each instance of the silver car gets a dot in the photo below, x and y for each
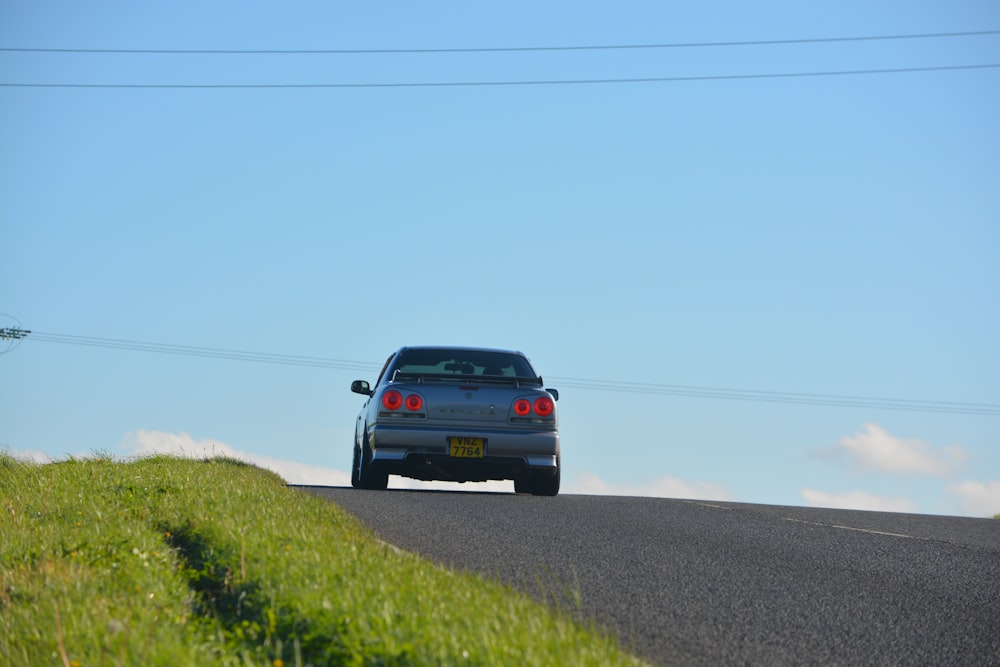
(459, 414)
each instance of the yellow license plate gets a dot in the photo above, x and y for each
(467, 448)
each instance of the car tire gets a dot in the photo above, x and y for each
(539, 485)
(356, 468)
(368, 476)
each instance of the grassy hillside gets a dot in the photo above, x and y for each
(166, 561)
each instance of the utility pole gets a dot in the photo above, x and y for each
(13, 333)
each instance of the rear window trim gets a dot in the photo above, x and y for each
(421, 378)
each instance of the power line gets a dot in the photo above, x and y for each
(13, 333)
(207, 352)
(460, 84)
(797, 398)
(685, 391)
(509, 49)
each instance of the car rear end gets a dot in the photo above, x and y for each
(463, 431)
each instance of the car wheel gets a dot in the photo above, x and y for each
(368, 476)
(356, 468)
(539, 485)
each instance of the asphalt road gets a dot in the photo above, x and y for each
(700, 583)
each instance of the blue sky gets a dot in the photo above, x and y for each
(833, 235)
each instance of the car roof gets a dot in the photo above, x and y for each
(461, 348)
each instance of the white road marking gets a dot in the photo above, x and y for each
(860, 530)
(817, 523)
(718, 507)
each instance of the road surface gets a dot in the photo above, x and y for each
(717, 583)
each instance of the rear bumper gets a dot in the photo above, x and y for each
(423, 452)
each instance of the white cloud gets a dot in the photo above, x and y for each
(588, 483)
(857, 500)
(978, 498)
(145, 443)
(31, 455)
(878, 450)
(181, 444)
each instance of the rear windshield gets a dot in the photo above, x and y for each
(463, 362)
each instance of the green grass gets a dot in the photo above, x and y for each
(168, 561)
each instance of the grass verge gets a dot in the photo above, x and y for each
(168, 561)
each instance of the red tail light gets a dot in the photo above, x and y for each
(522, 406)
(544, 406)
(414, 402)
(392, 400)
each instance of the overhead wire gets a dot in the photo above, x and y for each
(207, 352)
(10, 343)
(798, 398)
(579, 383)
(514, 49)
(685, 391)
(541, 82)
(545, 82)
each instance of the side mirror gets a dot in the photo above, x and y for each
(361, 387)
(554, 392)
